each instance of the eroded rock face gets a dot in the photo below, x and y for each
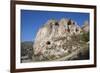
(55, 39)
(86, 27)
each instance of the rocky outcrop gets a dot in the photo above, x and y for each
(86, 27)
(57, 39)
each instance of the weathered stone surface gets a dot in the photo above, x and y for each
(57, 39)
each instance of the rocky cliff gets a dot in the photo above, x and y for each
(60, 40)
(86, 27)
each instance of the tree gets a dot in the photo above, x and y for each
(85, 36)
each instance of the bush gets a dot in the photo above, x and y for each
(85, 37)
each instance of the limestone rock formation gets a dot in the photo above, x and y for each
(85, 26)
(57, 39)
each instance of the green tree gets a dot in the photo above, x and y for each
(85, 37)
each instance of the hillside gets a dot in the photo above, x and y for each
(61, 40)
(26, 50)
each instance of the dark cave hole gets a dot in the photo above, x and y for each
(56, 24)
(48, 43)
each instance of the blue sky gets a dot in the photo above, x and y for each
(32, 20)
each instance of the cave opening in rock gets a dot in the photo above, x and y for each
(48, 42)
(69, 22)
(73, 23)
(76, 30)
(56, 24)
